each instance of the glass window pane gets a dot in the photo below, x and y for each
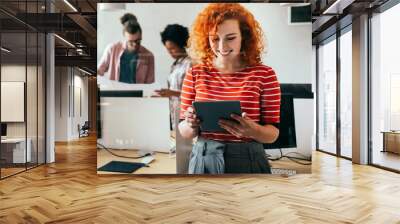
(32, 96)
(346, 94)
(13, 86)
(327, 97)
(22, 63)
(386, 89)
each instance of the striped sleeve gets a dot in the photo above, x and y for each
(270, 99)
(187, 93)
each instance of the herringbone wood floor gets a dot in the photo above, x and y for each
(69, 191)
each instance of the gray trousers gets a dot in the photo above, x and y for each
(215, 157)
(207, 157)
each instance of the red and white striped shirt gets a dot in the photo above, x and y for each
(257, 88)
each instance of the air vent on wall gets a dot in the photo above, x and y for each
(300, 15)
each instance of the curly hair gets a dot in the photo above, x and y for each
(175, 33)
(214, 14)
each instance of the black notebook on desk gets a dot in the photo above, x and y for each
(121, 167)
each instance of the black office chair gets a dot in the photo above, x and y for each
(84, 130)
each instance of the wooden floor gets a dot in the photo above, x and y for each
(387, 159)
(10, 171)
(69, 191)
(5, 172)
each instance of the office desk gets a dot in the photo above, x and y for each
(391, 141)
(163, 163)
(287, 164)
(13, 150)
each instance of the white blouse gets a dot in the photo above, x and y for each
(175, 81)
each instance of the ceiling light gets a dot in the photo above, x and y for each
(70, 5)
(333, 6)
(111, 6)
(5, 50)
(294, 4)
(80, 51)
(64, 40)
(337, 7)
(84, 71)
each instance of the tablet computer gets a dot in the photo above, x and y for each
(210, 113)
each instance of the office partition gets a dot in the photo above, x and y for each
(23, 89)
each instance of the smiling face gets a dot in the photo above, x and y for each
(226, 41)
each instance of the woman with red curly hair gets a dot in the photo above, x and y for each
(227, 43)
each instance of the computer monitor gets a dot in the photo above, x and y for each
(3, 129)
(135, 123)
(298, 90)
(112, 93)
(121, 93)
(287, 129)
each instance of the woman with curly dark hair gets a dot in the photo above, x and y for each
(175, 38)
(128, 61)
(227, 42)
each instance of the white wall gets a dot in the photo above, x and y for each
(61, 103)
(80, 84)
(69, 82)
(16, 73)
